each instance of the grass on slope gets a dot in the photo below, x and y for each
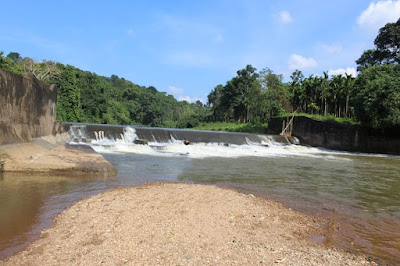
(326, 118)
(233, 127)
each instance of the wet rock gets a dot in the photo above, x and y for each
(141, 141)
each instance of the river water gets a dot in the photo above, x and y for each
(359, 193)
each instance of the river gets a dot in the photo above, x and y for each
(359, 193)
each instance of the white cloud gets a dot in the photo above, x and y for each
(300, 62)
(378, 14)
(175, 90)
(332, 49)
(130, 32)
(178, 95)
(190, 99)
(341, 71)
(285, 17)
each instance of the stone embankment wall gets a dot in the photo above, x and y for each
(27, 108)
(340, 136)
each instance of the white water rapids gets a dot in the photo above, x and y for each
(175, 147)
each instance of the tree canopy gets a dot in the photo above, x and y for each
(387, 49)
(377, 101)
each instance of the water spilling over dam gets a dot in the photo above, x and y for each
(167, 141)
(83, 132)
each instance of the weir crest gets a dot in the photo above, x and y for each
(91, 133)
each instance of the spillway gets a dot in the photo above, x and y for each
(91, 132)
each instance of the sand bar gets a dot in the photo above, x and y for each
(181, 224)
(50, 154)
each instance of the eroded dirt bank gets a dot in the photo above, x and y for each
(171, 224)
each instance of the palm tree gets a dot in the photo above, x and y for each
(337, 86)
(348, 86)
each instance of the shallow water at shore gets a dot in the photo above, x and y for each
(360, 193)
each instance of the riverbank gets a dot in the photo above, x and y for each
(172, 223)
(50, 154)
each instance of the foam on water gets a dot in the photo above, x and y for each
(267, 147)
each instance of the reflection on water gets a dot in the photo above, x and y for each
(362, 192)
(21, 197)
(29, 202)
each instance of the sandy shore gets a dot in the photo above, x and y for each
(181, 224)
(49, 154)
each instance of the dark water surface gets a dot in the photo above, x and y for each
(360, 193)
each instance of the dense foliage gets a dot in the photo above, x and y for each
(86, 97)
(372, 97)
(235, 100)
(268, 96)
(377, 100)
(251, 97)
(8, 64)
(387, 49)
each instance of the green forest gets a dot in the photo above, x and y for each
(86, 97)
(251, 97)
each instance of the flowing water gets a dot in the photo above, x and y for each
(360, 193)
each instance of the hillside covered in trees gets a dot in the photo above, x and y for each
(372, 98)
(86, 97)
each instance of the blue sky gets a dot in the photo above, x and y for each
(186, 48)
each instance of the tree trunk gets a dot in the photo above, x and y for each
(335, 111)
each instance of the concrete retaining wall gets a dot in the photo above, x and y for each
(340, 136)
(27, 108)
